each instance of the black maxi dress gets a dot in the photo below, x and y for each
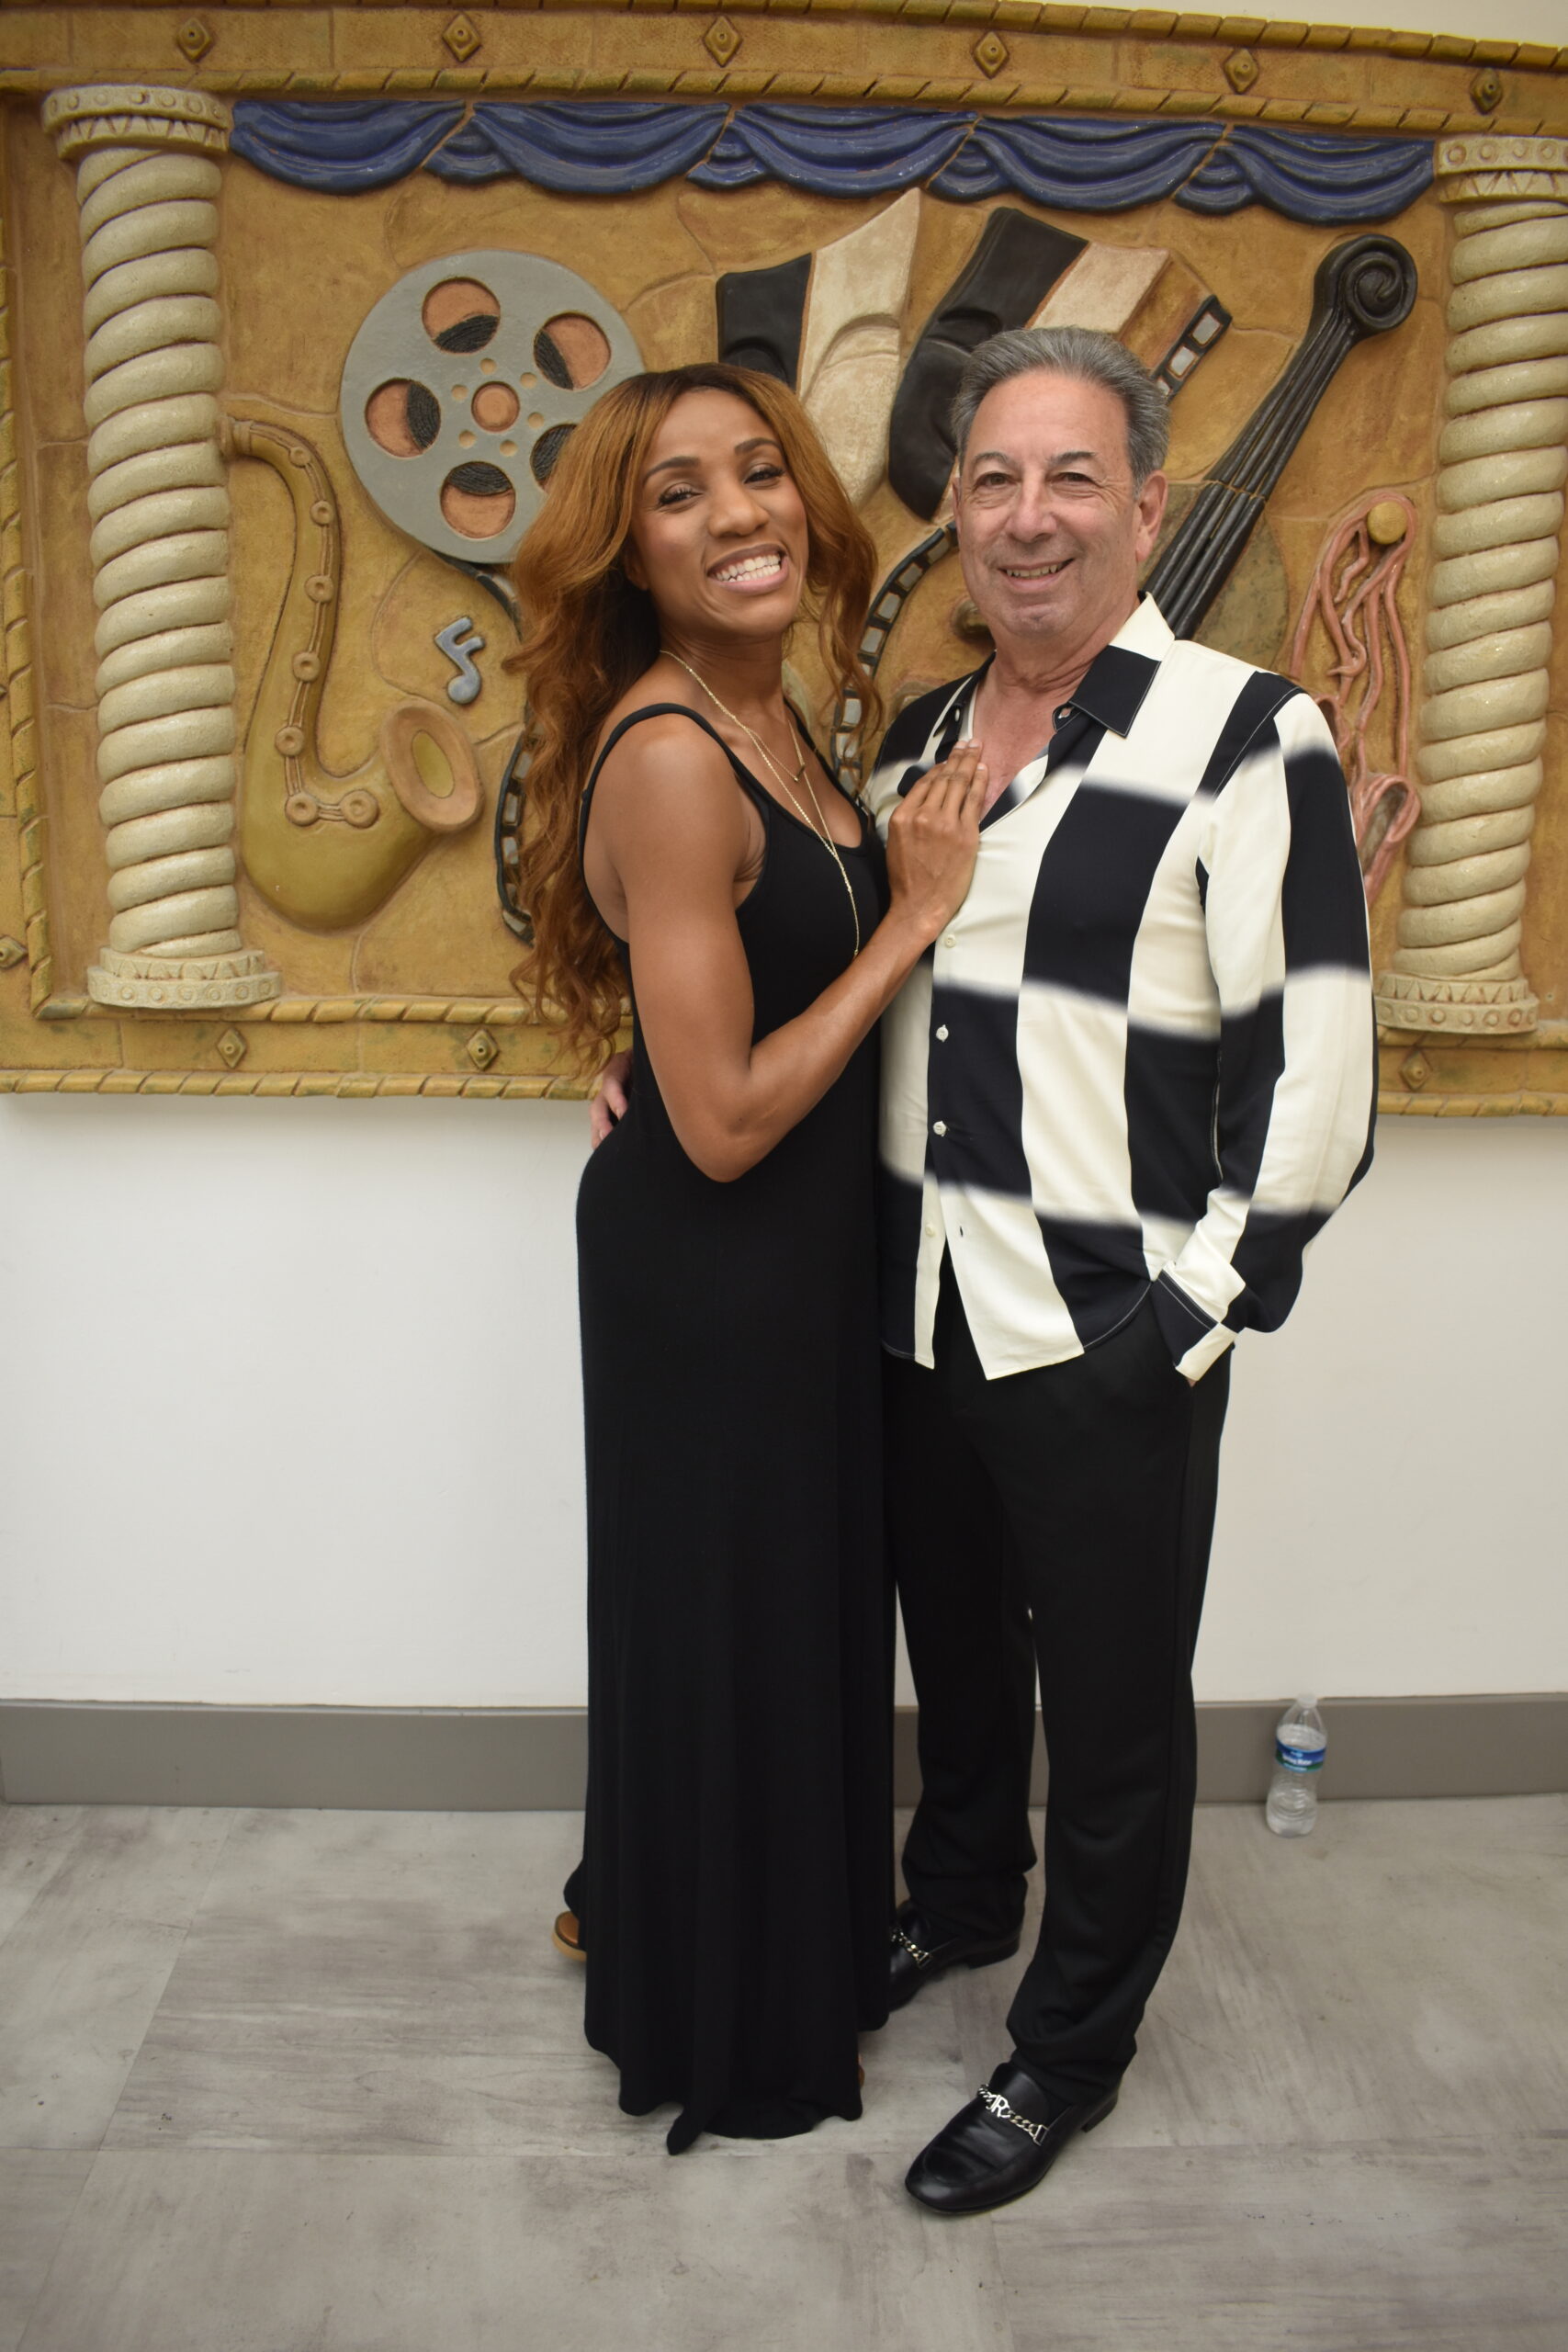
(736, 1889)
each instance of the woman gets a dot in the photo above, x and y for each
(688, 843)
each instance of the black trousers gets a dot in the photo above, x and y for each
(1056, 1520)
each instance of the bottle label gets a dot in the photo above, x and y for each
(1298, 1759)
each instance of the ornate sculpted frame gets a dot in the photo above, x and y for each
(1464, 1031)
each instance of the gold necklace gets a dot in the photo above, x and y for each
(821, 826)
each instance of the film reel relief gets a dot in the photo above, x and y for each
(462, 387)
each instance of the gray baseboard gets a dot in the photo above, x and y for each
(532, 1759)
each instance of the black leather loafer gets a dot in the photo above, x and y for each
(920, 1954)
(1002, 2145)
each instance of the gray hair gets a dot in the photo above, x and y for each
(1080, 352)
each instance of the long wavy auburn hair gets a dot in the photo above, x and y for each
(588, 633)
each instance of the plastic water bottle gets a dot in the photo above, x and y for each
(1299, 1744)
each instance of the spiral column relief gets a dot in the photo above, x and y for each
(1504, 461)
(147, 189)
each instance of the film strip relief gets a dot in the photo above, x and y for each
(1197, 339)
(508, 838)
(890, 600)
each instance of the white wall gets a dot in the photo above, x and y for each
(290, 1403)
(289, 1399)
(1392, 1500)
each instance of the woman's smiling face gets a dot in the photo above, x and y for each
(718, 535)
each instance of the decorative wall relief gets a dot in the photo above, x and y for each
(287, 352)
(460, 641)
(1504, 457)
(1004, 283)
(460, 390)
(148, 190)
(829, 324)
(1354, 599)
(328, 850)
(851, 355)
(1364, 288)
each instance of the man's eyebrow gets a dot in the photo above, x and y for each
(1058, 458)
(743, 450)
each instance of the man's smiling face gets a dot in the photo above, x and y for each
(1051, 533)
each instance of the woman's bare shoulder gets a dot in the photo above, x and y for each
(667, 782)
(670, 750)
(650, 692)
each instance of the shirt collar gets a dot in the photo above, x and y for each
(1112, 688)
(1111, 692)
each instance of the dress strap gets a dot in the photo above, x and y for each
(662, 710)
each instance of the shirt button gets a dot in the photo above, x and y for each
(930, 1232)
(950, 940)
(940, 1128)
(941, 1034)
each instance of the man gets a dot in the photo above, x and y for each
(1128, 1085)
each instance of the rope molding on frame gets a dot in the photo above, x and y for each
(461, 1010)
(1037, 15)
(16, 632)
(1470, 1106)
(353, 1085)
(1024, 97)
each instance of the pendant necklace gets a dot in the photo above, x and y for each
(819, 828)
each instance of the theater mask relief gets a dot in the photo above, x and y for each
(284, 373)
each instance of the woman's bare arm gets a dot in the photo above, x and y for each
(672, 829)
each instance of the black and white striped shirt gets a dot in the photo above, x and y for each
(1143, 1051)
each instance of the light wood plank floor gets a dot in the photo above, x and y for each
(314, 2081)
